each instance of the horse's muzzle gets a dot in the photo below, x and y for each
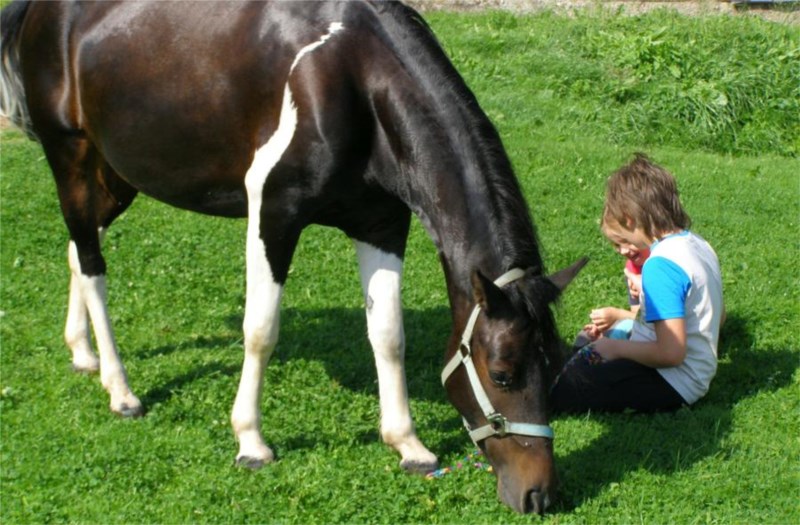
(527, 483)
(534, 500)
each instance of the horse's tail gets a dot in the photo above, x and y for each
(13, 104)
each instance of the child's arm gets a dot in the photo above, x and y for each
(667, 351)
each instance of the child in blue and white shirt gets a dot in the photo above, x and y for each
(671, 355)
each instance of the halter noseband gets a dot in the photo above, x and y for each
(497, 424)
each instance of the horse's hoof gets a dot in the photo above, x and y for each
(414, 466)
(85, 369)
(253, 453)
(249, 462)
(127, 411)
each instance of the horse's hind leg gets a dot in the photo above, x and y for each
(91, 196)
(114, 198)
(76, 330)
(380, 278)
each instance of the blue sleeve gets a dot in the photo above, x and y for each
(666, 286)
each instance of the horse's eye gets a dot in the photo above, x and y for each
(501, 378)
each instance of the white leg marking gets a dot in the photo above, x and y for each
(92, 293)
(381, 275)
(261, 322)
(76, 331)
(262, 308)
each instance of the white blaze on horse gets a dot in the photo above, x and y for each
(346, 114)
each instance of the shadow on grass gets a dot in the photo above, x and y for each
(337, 338)
(660, 443)
(164, 392)
(673, 442)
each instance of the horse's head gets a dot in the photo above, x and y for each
(498, 380)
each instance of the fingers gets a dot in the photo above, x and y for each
(601, 318)
(592, 332)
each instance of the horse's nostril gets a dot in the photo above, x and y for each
(500, 378)
(536, 502)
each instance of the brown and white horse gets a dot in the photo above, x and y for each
(345, 114)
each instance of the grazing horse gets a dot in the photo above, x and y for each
(346, 114)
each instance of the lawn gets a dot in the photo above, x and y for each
(713, 99)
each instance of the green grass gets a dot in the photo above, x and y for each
(722, 84)
(176, 295)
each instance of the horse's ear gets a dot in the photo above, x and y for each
(563, 277)
(486, 294)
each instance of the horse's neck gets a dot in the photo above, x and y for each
(464, 192)
(465, 224)
(455, 174)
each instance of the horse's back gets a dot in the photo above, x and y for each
(177, 90)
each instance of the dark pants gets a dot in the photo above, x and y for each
(612, 386)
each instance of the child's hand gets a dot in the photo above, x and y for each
(634, 282)
(592, 332)
(604, 318)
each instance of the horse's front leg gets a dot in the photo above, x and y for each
(381, 275)
(261, 326)
(266, 230)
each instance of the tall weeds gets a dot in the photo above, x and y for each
(724, 84)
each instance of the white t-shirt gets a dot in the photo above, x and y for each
(681, 278)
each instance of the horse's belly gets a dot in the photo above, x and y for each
(221, 202)
(205, 197)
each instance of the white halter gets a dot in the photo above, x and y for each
(497, 424)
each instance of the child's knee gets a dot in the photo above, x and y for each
(620, 330)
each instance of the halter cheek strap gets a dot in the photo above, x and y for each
(496, 423)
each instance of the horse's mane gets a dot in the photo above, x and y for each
(513, 231)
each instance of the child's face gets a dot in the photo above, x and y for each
(631, 244)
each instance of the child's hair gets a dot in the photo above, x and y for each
(645, 195)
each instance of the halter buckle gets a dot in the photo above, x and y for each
(499, 423)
